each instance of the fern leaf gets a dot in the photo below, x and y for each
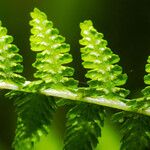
(146, 90)
(83, 127)
(9, 59)
(53, 53)
(135, 129)
(106, 76)
(35, 113)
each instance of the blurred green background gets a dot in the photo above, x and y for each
(126, 26)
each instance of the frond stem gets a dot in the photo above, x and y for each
(118, 104)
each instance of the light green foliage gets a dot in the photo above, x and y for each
(9, 59)
(53, 57)
(35, 113)
(103, 71)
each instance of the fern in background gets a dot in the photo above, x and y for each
(135, 130)
(9, 60)
(83, 127)
(35, 101)
(34, 115)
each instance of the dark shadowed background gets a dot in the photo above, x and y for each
(124, 23)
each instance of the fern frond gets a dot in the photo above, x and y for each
(135, 130)
(9, 60)
(83, 127)
(53, 53)
(146, 90)
(35, 113)
(106, 76)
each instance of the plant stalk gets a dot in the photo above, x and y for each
(74, 96)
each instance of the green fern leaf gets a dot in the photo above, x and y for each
(35, 113)
(135, 129)
(106, 76)
(9, 60)
(83, 127)
(146, 90)
(53, 53)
